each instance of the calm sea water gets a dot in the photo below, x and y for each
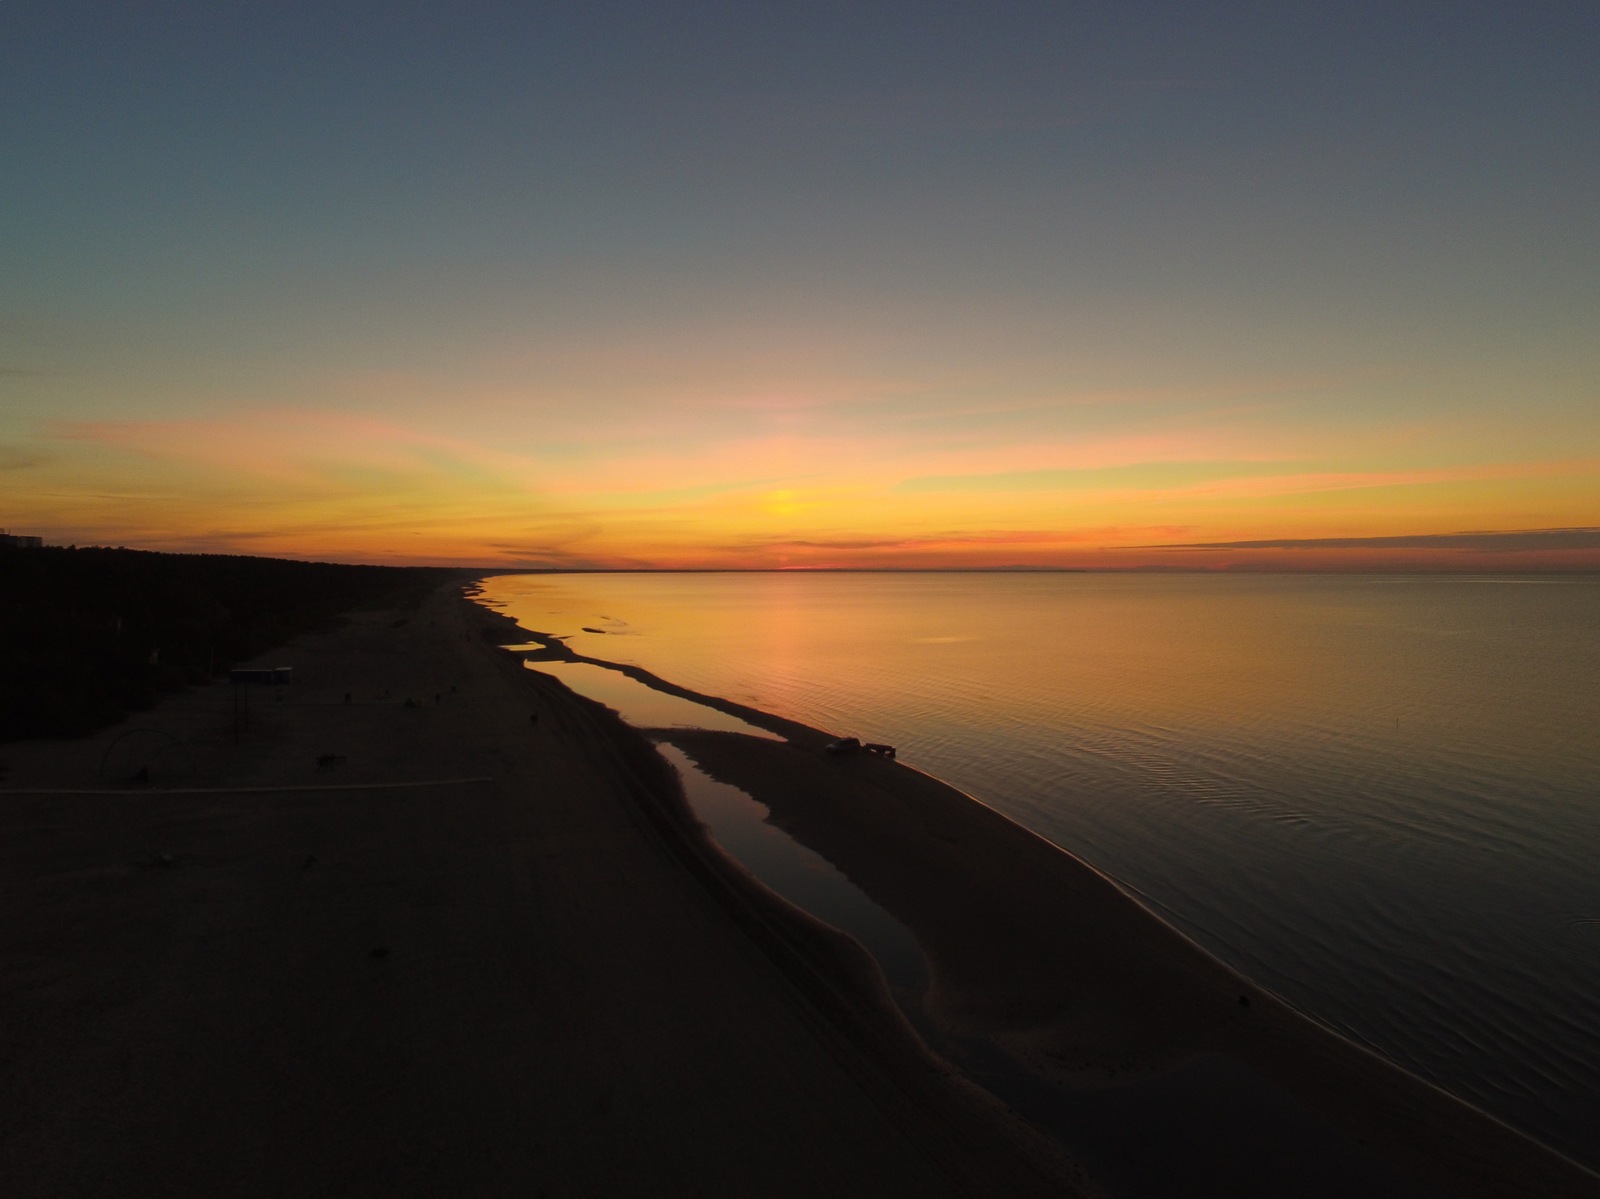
(1378, 796)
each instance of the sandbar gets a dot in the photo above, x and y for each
(425, 924)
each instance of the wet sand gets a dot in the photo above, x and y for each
(1165, 1071)
(1156, 1065)
(470, 944)
(478, 944)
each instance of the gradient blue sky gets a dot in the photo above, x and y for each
(762, 284)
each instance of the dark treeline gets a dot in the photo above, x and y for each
(88, 635)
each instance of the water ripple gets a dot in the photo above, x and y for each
(1375, 796)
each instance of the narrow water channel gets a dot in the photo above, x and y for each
(1105, 1128)
(739, 826)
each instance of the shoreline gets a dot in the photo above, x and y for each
(1098, 1037)
(1334, 1107)
(235, 980)
(247, 977)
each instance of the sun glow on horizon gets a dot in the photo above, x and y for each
(363, 488)
(966, 300)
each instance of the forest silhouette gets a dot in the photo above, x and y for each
(88, 635)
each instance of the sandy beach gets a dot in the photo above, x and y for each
(1169, 1063)
(450, 936)
(1160, 1068)
(426, 922)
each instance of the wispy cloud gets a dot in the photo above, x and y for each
(1150, 474)
(12, 458)
(1104, 535)
(304, 447)
(1501, 541)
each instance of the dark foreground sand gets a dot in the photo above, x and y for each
(480, 955)
(1163, 1071)
(490, 952)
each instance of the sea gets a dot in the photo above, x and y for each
(1375, 795)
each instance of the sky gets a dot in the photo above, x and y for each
(759, 285)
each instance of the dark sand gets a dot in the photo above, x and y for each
(1161, 1069)
(1182, 1077)
(480, 955)
(490, 951)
